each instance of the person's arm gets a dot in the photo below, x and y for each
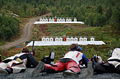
(84, 57)
(84, 60)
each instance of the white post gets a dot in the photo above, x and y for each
(92, 39)
(75, 39)
(51, 39)
(67, 39)
(85, 39)
(52, 20)
(62, 19)
(56, 39)
(71, 39)
(47, 38)
(81, 39)
(61, 39)
(75, 20)
(43, 39)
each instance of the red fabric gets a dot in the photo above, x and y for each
(55, 19)
(77, 55)
(64, 38)
(60, 66)
(72, 65)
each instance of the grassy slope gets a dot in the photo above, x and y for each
(100, 33)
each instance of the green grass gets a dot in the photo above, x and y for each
(89, 51)
(100, 33)
(45, 50)
(2, 43)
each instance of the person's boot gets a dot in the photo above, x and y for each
(49, 59)
(118, 69)
(52, 57)
(38, 69)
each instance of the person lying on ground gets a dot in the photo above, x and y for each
(112, 65)
(70, 63)
(96, 59)
(18, 63)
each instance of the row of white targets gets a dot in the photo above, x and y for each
(57, 20)
(67, 39)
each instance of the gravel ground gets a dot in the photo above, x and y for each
(86, 73)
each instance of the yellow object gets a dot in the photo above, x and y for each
(19, 60)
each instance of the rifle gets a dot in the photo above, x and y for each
(33, 49)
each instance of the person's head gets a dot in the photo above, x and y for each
(75, 47)
(79, 48)
(25, 50)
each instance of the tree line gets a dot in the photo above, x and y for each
(23, 8)
(92, 12)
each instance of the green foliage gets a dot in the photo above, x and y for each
(92, 12)
(9, 26)
(115, 19)
(23, 8)
(99, 9)
(1, 53)
(108, 15)
(95, 19)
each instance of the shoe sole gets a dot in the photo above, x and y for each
(68, 74)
